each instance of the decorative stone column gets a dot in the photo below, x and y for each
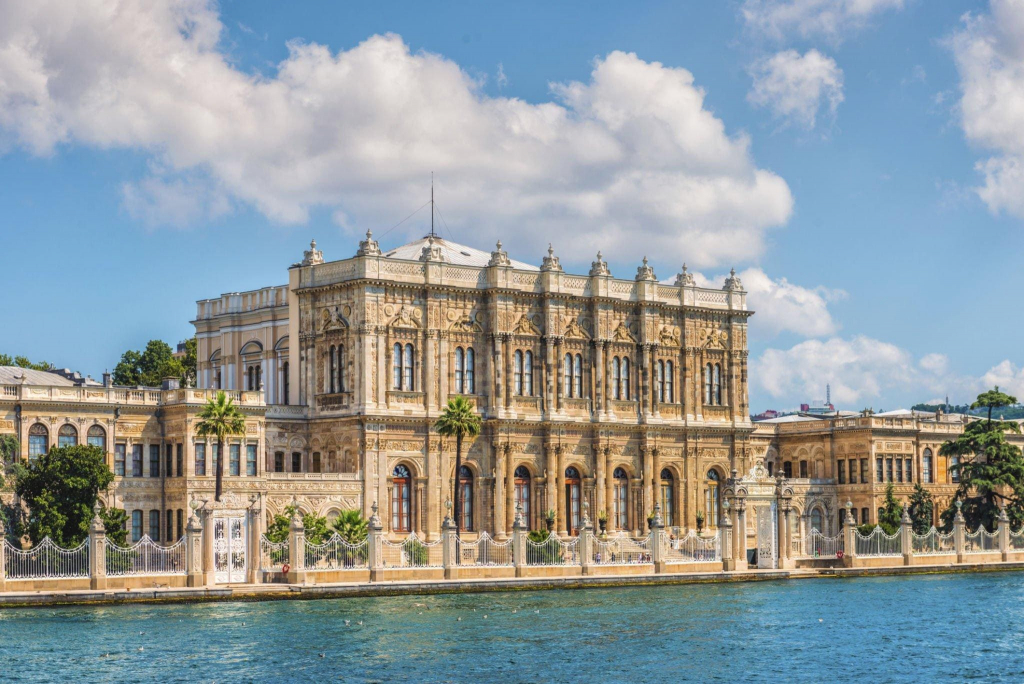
(449, 550)
(375, 546)
(97, 550)
(725, 542)
(254, 554)
(296, 549)
(561, 524)
(647, 459)
(1003, 530)
(958, 532)
(586, 542)
(907, 537)
(194, 565)
(207, 557)
(657, 541)
(519, 542)
(741, 533)
(849, 536)
(785, 538)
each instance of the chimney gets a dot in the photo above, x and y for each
(107, 380)
(170, 384)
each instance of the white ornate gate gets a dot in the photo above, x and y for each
(766, 536)
(229, 562)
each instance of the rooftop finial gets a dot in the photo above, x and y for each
(499, 257)
(550, 262)
(599, 267)
(645, 272)
(312, 256)
(733, 282)
(685, 278)
(369, 246)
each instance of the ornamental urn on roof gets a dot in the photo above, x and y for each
(685, 278)
(550, 262)
(499, 257)
(599, 267)
(312, 256)
(369, 246)
(645, 272)
(732, 282)
(431, 251)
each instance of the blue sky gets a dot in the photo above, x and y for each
(859, 163)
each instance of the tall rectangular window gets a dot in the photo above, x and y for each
(787, 469)
(842, 472)
(853, 471)
(888, 469)
(899, 470)
(864, 470)
(180, 460)
(154, 460)
(803, 469)
(169, 534)
(296, 462)
(136, 525)
(250, 460)
(278, 461)
(119, 454)
(908, 469)
(879, 474)
(235, 454)
(200, 459)
(181, 522)
(215, 449)
(137, 461)
(154, 525)
(169, 460)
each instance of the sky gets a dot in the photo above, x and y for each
(860, 163)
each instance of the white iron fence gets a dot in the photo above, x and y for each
(273, 555)
(1017, 540)
(412, 553)
(622, 551)
(552, 551)
(336, 553)
(146, 557)
(692, 549)
(981, 541)
(933, 543)
(817, 545)
(46, 560)
(485, 551)
(878, 543)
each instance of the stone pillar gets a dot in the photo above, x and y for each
(374, 546)
(510, 491)
(907, 537)
(741, 533)
(785, 537)
(550, 482)
(253, 573)
(609, 487)
(725, 542)
(849, 536)
(296, 550)
(449, 549)
(97, 551)
(647, 454)
(657, 541)
(561, 524)
(1003, 530)
(519, 542)
(586, 542)
(206, 556)
(958, 533)
(194, 565)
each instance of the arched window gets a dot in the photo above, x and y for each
(707, 384)
(528, 375)
(408, 383)
(620, 499)
(460, 369)
(718, 385)
(567, 387)
(67, 436)
(625, 379)
(667, 496)
(573, 502)
(926, 466)
(401, 499)
(816, 520)
(577, 377)
(97, 437)
(332, 370)
(396, 364)
(522, 483)
(711, 499)
(38, 440)
(660, 382)
(670, 372)
(466, 498)
(616, 384)
(316, 462)
(470, 362)
(517, 373)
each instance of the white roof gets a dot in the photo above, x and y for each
(795, 418)
(15, 375)
(454, 253)
(903, 412)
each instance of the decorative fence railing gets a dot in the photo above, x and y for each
(981, 541)
(621, 551)
(692, 549)
(145, 557)
(485, 551)
(336, 554)
(817, 545)
(552, 551)
(1017, 540)
(932, 543)
(412, 553)
(46, 560)
(878, 543)
(273, 555)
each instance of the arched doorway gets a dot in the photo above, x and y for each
(466, 498)
(620, 499)
(522, 494)
(401, 499)
(573, 501)
(668, 498)
(711, 499)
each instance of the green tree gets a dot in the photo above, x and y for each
(220, 418)
(188, 363)
(990, 469)
(24, 362)
(10, 450)
(316, 527)
(892, 512)
(921, 509)
(60, 489)
(115, 523)
(351, 526)
(148, 367)
(458, 420)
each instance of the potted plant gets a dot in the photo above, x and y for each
(602, 521)
(700, 521)
(549, 519)
(650, 520)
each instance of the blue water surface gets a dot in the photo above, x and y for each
(900, 629)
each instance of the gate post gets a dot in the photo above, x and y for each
(958, 532)
(849, 536)
(1003, 530)
(253, 554)
(906, 537)
(519, 542)
(586, 541)
(657, 541)
(3, 556)
(725, 530)
(374, 547)
(207, 556)
(296, 549)
(194, 562)
(449, 554)
(741, 532)
(97, 550)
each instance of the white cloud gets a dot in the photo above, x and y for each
(501, 78)
(794, 86)
(1007, 376)
(989, 54)
(631, 158)
(176, 201)
(829, 19)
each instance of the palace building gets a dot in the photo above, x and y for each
(597, 395)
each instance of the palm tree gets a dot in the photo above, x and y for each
(220, 418)
(351, 526)
(458, 420)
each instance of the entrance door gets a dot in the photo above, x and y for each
(229, 550)
(572, 499)
(766, 532)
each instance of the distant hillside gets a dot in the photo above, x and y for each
(1008, 413)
